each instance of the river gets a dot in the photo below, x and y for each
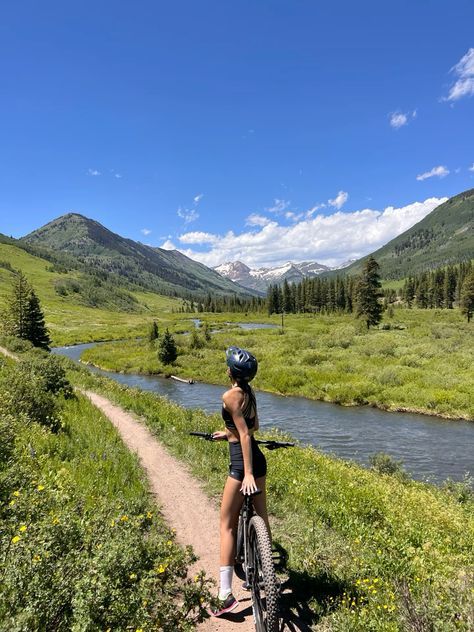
(431, 448)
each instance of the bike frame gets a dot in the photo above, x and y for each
(247, 511)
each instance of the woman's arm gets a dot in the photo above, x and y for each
(233, 403)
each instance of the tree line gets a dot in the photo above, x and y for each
(441, 288)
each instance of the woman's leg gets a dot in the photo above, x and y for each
(232, 500)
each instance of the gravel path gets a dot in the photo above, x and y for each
(183, 504)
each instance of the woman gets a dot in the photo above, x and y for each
(247, 468)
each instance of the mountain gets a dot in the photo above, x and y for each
(445, 236)
(261, 278)
(162, 271)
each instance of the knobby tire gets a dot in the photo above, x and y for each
(264, 585)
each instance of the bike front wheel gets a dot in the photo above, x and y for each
(263, 582)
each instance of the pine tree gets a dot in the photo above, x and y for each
(467, 296)
(15, 316)
(368, 294)
(154, 333)
(167, 353)
(36, 331)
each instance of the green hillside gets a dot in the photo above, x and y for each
(445, 236)
(163, 271)
(80, 307)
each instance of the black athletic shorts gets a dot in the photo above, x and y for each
(236, 467)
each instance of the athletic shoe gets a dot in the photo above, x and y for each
(224, 605)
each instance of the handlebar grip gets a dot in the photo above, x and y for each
(204, 435)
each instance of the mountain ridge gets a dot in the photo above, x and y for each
(260, 278)
(162, 271)
(444, 237)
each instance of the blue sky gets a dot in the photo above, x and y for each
(262, 131)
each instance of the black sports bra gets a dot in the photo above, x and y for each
(246, 412)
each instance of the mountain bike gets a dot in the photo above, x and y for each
(254, 553)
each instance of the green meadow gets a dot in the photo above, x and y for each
(70, 320)
(418, 360)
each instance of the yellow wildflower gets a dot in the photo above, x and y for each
(16, 493)
(169, 543)
(37, 558)
(133, 576)
(16, 539)
(112, 523)
(40, 488)
(149, 515)
(124, 518)
(161, 568)
(12, 503)
(23, 528)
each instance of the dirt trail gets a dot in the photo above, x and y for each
(7, 353)
(183, 504)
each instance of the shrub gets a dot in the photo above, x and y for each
(385, 464)
(50, 368)
(23, 394)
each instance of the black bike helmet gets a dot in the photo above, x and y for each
(242, 364)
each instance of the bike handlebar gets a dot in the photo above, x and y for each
(270, 444)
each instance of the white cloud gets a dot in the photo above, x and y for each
(198, 198)
(329, 239)
(198, 237)
(168, 245)
(145, 231)
(294, 217)
(464, 86)
(439, 172)
(189, 215)
(279, 206)
(340, 199)
(93, 172)
(257, 220)
(471, 168)
(310, 212)
(398, 119)
(118, 175)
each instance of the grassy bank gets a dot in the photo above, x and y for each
(367, 552)
(422, 362)
(82, 546)
(67, 317)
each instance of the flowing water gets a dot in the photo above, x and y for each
(430, 448)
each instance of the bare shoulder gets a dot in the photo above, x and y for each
(233, 397)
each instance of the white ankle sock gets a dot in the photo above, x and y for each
(225, 583)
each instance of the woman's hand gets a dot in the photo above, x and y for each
(248, 485)
(219, 435)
